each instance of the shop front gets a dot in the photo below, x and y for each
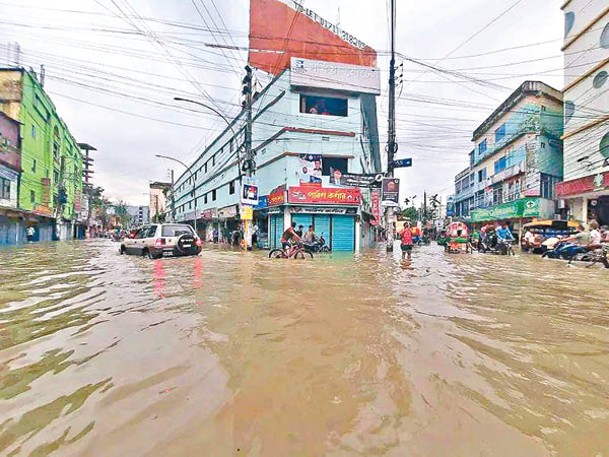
(517, 212)
(587, 198)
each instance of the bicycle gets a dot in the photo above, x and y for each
(296, 252)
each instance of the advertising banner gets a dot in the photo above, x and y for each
(376, 207)
(335, 76)
(282, 29)
(263, 202)
(391, 192)
(338, 178)
(532, 179)
(209, 214)
(310, 169)
(320, 195)
(249, 191)
(247, 213)
(277, 196)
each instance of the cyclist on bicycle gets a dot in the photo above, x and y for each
(289, 238)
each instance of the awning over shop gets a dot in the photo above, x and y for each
(522, 208)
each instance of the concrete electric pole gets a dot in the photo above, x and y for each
(392, 146)
(249, 165)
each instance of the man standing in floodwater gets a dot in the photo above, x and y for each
(406, 241)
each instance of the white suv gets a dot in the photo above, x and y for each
(157, 240)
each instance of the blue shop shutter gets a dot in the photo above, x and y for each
(343, 233)
(321, 222)
(276, 230)
(302, 219)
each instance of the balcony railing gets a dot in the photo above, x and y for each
(514, 170)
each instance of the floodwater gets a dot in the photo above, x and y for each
(230, 354)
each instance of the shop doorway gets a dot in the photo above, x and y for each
(598, 209)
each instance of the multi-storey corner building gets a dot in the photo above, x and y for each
(516, 161)
(585, 190)
(311, 124)
(51, 173)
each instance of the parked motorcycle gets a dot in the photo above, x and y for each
(576, 253)
(319, 245)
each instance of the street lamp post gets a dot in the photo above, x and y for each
(194, 184)
(247, 230)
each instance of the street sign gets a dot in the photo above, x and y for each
(402, 163)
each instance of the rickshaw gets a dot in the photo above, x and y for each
(543, 230)
(458, 239)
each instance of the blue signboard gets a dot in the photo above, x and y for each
(402, 163)
(263, 202)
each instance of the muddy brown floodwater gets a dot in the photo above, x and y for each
(231, 354)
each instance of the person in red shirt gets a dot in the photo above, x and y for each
(406, 241)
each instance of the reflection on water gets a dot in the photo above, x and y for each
(235, 354)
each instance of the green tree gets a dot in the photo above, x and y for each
(410, 213)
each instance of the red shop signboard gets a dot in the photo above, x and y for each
(277, 197)
(582, 185)
(322, 196)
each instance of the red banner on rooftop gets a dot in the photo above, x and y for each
(281, 29)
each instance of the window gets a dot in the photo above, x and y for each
(231, 187)
(500, 165)
(231, 145)
(569, 22)
(327, 106)
(5, 189)
(33, 131)
(482, 147)
(335, 163)
(472, 158)
(205, 167)
(176, 230)
(205, 199)
(213, 160)
(213, 195)
(33, 165)
(499, 133)
(32, 196)
(482, 175)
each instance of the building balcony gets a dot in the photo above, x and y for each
(464, 194)
(509, 172)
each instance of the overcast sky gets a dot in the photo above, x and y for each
(114, 85)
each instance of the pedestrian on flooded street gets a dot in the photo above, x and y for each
(406, 241)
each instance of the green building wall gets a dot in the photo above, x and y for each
(48, 151)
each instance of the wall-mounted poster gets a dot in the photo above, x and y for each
(310, 169)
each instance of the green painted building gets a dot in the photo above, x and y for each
(51, 180)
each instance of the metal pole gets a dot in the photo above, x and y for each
(391, 142)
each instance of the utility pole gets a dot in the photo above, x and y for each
(424, 218)
(87, 172)
(392, 146)
(173, 199)
(249, 163)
